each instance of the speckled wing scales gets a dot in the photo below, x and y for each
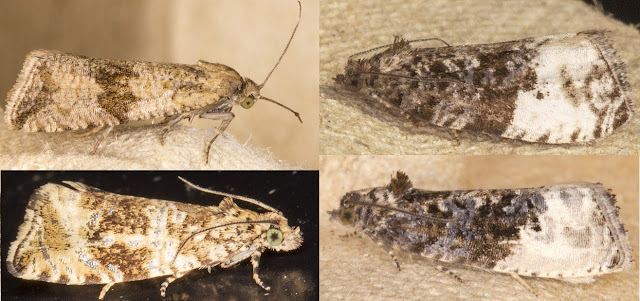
(555, 89)
(580, 89)
(83, 235)
(70, 233)
(579, 236)
(58, 91)
(88, 236)
(570, 232)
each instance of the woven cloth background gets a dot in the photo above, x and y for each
(358, 269)
(350, 126)
(131, 147)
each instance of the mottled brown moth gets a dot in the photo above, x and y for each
(558, 89)
(570, 232)
(77, 234)
(58, 91)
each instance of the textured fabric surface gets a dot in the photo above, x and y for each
(358, 269)
(131, 147)
(352, 125)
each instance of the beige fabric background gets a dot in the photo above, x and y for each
(248, 36)
(131, 147)
(358, 269)
(349, 125)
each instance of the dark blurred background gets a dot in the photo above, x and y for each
(627, 11)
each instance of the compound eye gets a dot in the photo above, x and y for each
(248, 102)
(347, 216)
(274, 237)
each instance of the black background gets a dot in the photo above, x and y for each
(627, 11)
(291, 275)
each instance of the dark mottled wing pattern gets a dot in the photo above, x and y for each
(555, 89)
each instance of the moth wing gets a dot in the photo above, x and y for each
(58, 91)
(223, 80)
(173, 89)
(28, 248)
(62, 241)
(81, 187)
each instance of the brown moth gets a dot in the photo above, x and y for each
(58, 91)
(79, 235)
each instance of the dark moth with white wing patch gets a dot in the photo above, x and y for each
(556, 89)
(569, 232)
(58, 91)
(81, 235)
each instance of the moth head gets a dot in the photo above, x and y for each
(281, 237)
(346, 214)
(250, 94)
(350, 80)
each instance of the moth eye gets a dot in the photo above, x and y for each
(248, 102)
(354, 84)
(274, 237)
(347, 216)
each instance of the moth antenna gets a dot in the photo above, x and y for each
(233, 196)
(286, 47)
(420, 79)
(387, 45)
(184, 242)
(292, 111)
(431, 218)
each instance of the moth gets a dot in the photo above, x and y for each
(77, 235)
(569, 232)
(559, 89)
(58, 91)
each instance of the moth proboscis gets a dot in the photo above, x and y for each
(80, 235)
(58, 91)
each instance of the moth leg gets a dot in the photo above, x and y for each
(172, 121)
(226, 118)
(255, 262)
(106, 133)
(90, 132)
(456, 138)
(395, 259)
(165, 284)
(393, 256)
(450, 273)
(521, 281)
(385, 246)
(349, 235)
(105, 288)
(215, 290)
(392, 107)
